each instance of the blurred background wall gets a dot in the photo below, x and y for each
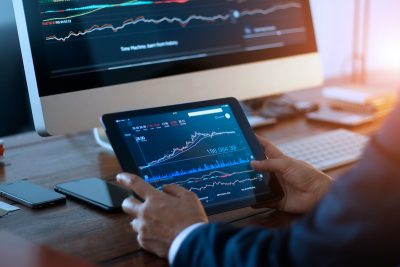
(334, 25)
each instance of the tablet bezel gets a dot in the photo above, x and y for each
(128, 163)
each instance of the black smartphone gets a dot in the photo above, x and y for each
(95, 191)
(30, 194)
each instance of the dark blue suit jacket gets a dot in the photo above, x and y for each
(356, 224)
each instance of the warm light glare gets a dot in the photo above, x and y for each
(384, 36)
(390, 54)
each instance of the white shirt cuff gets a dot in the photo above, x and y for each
(176, 244)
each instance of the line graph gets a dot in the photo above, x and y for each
(213, 176)
(96, 8)
(217, 183)
(183, 22)
(196, 138)
(206, 167)
(132, 21)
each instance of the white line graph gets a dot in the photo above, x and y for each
(196, 138)
(182, 22)
(212, 175)
(218, 183)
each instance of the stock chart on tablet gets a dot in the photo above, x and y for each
(203, 150)
(95, 35)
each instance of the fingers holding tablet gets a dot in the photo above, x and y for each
(205, 148)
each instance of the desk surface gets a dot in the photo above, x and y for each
(107, 239)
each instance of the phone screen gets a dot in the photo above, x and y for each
(95, 191)
(26, 192)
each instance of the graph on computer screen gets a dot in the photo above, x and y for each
(122, 34)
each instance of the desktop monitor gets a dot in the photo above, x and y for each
(84, 58)
(13, 93)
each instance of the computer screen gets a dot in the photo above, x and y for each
(85, 58)
(84, 44)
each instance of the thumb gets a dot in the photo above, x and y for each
(273, 165)
(174, 190)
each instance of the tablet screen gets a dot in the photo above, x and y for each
(203, 150)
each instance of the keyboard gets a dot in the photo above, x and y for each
(327, 150)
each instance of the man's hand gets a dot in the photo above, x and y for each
(303, 185)
(162, 215)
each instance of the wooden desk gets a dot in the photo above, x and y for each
(107, 239)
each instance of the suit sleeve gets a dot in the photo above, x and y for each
(356, 224)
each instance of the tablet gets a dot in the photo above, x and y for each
(205, 147)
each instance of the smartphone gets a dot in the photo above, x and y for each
(30, 194)
(95, 191)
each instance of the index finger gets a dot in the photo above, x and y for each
(136, 184)
(269, 149)
(131, 206)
